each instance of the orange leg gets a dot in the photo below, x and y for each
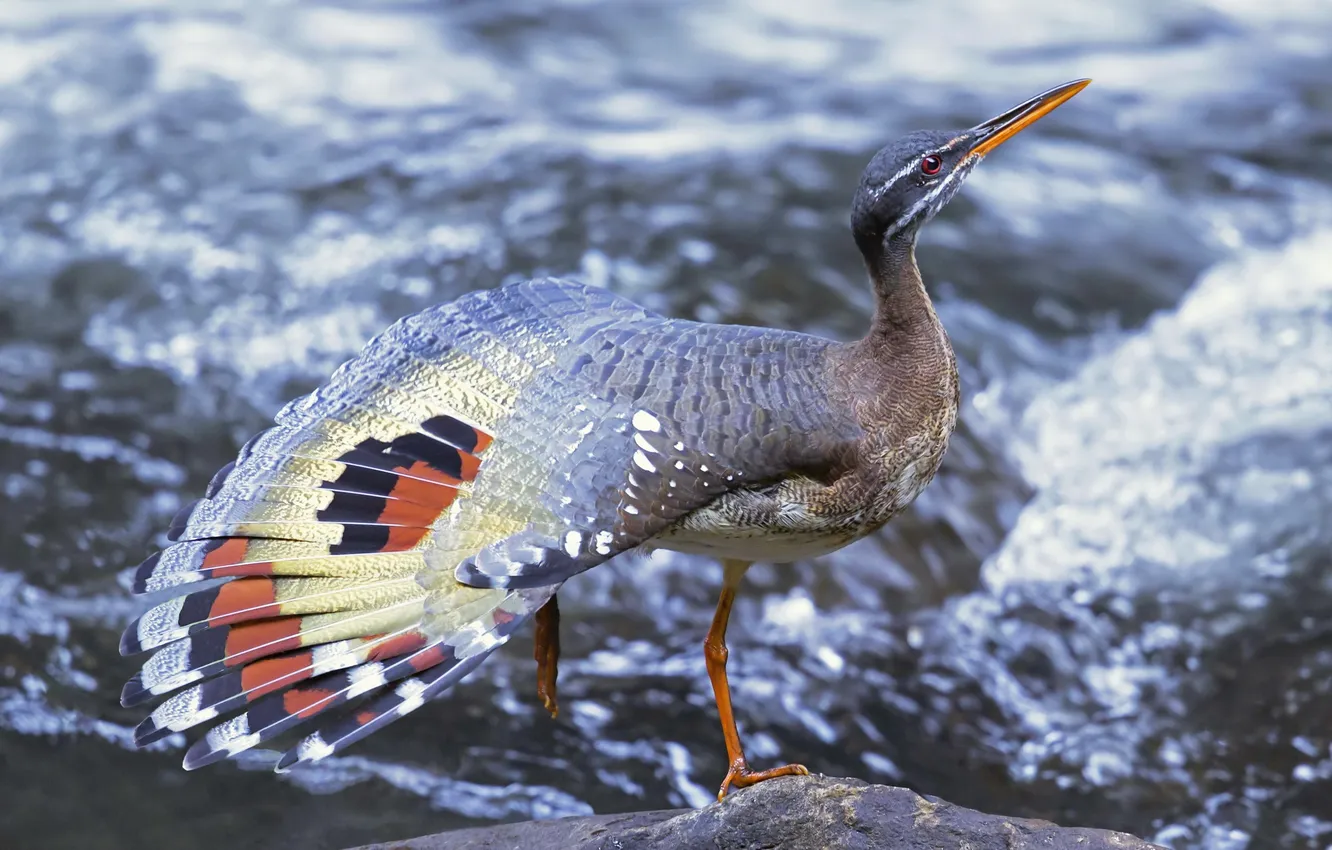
(547, 652)
(716, 653)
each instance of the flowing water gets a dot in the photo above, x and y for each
(1114, 606)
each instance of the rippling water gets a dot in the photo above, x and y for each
(1111, 609)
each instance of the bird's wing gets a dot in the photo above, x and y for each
(514, 436)
(633, 423)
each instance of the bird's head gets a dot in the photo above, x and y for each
(910, 180)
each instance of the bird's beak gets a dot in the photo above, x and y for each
(989, 135)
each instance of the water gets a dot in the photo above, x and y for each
(1111, 609)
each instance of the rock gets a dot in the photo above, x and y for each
(795, 813)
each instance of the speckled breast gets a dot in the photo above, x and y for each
(799, 518)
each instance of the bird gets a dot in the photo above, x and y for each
(397, 525)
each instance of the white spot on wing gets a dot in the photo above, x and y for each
(573, 543)
(331, 656)
(314, 748)
(182, 711)
(411, 689)
(364, 679)
(161, 623)
(167, 669)
(477, 642)
(641, 461)
(645, 421)
(603, 542)
(412, 693)
(242, 744)
(201, 716)
(233, 736)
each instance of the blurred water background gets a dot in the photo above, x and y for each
(1113, 607)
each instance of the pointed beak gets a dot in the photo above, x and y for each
(989, 135)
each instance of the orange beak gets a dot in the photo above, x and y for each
(993, 133)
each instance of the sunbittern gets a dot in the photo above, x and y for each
(395, 526)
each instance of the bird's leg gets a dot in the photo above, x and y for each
(547, 652)
(715, 651)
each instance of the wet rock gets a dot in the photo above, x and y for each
(808, 813)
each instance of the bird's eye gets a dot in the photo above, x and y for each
(931, 164)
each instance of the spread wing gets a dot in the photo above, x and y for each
(395, 526)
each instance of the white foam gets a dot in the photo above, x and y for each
(1133, 456)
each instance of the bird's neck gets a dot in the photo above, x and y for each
(904, 317)
(905, 355)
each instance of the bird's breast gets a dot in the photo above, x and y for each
(778, 522)
(906, 428)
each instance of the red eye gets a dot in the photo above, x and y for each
(931, 164)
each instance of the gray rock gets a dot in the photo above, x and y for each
(796, 813)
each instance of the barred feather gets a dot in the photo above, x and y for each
(256, 598)
(220, 648)
(201, 560)
(275, 713)
(233, 689)
(367, 537)
(404, 698)
(319, 535)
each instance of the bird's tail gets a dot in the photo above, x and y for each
(304, 580)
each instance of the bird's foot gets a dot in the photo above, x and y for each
(742, 777)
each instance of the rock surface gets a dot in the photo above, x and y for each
(805, 813)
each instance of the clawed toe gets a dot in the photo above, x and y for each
(742, 777)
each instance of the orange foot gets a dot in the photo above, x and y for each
(742, 777)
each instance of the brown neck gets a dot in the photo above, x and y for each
(901, 379)
(904, 314)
